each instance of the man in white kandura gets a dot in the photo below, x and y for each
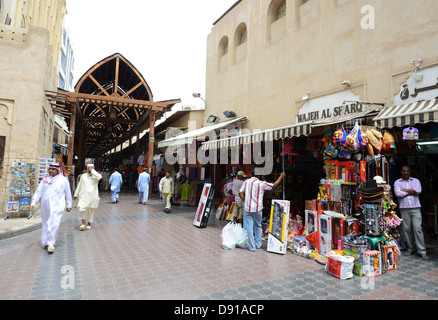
(115, 182)
(88, 193)
(55, 194)
(143, 186)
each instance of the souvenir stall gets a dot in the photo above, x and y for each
(352, 226)
(22, 187)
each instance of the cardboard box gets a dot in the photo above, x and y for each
(308, 204)
(278, 231)
(312, 229)
(204, 206)
(325, 232)
(372, 264)
(356, 251)
(390, 259)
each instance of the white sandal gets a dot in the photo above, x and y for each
(87, 227)
(51, 249)
(82, 227)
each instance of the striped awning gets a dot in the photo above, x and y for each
(296, 130)
(419, 112)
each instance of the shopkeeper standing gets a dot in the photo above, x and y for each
(237, 184)
(408, 189)
(251, 193)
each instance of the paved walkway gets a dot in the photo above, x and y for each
(139, 252)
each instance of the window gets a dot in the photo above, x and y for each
(223, 53)
(276, 21)
(276, 11)
(241, 35)
(240, 39)
(223, 46)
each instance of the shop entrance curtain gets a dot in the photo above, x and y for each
(419, 112)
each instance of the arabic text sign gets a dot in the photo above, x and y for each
(422, 85)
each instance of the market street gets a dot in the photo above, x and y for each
(139, 252)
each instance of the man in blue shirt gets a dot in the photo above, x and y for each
(143, 182)
(115, 182)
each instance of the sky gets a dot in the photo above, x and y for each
(166, 40)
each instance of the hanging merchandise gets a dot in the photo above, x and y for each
(375, 143)
(388, 141)
(411, 133)
(362, 138)
(339, 137)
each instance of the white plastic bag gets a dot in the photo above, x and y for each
(242, 241)
(339, 266)
(228, 236)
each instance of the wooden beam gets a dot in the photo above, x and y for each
(71, 141)
(115, 120)
(100, 86)
(116, 80)
(140, 104)
(132, 90)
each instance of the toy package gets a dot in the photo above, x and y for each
(372, 263)
(278, 231)
(390, 257)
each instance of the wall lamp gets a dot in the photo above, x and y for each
(306, 97)
(230, 114)
(198, 95)
(212, 119)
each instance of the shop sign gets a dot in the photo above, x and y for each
(330, 106)
(421, 85)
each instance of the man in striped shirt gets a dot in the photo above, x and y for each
(408, 189)
(252, 192)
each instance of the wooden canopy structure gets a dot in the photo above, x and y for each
(111, 103)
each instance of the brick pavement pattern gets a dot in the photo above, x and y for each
(140, 252)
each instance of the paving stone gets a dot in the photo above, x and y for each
(138, 252)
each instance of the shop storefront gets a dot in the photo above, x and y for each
(340, 174)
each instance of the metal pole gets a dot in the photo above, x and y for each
(282, 163)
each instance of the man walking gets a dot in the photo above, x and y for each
(88, 194)
(166, 188)
(105, 179)
(237, 184)
(252, 192)
(143, 182)
(55, 194)
(115, 182)
(408, 189)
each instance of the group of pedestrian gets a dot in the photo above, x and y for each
(55, 194)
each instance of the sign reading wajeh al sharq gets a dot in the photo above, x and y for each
(330, 106)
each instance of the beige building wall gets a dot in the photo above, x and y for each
(29, 54)
(294, 47)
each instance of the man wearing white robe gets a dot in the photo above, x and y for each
(105, 179)
(115, 182)
(143, 182)
(55, 194)
(88, 193)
